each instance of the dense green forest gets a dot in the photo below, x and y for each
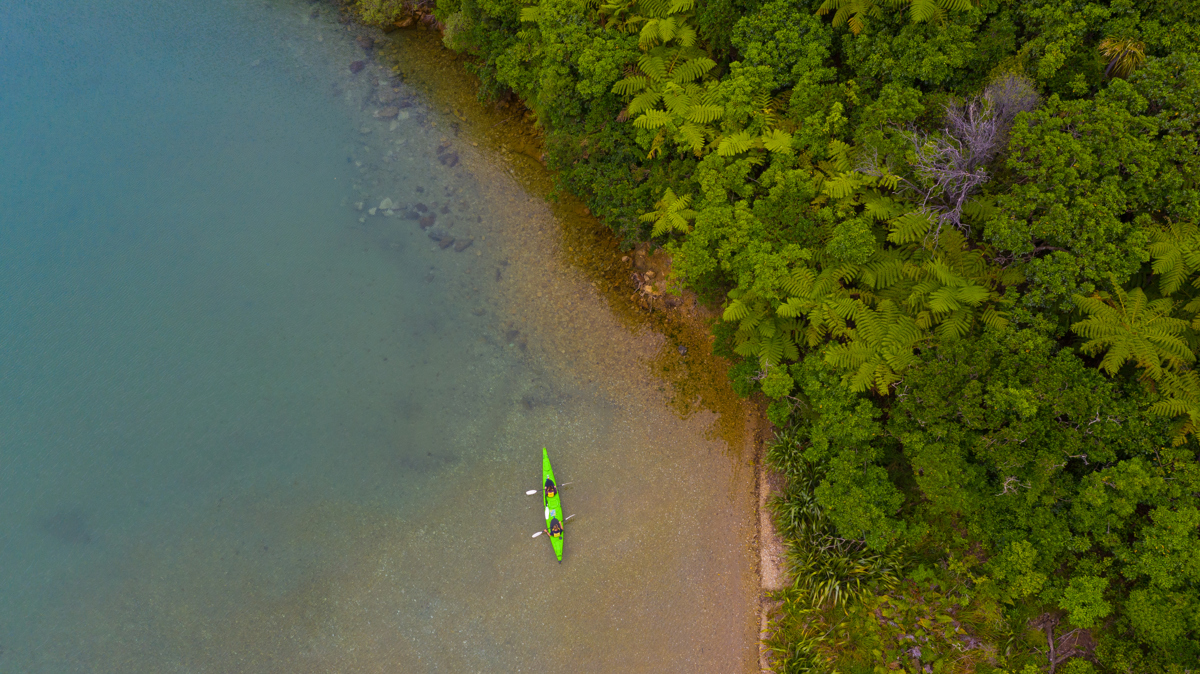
(957, 247)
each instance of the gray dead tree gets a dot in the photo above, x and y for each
(951, 164)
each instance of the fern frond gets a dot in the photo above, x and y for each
(926, 10)
(685, 35)
(630, 85)
(910, 227)
(979, 209)
(704, 114)
(878, 207)
(652, 119)
(735, 144)
(643, 102)
(843, 184)
(778, 141)
(994, 319)
(530, 14)
(654, 66)
(692, 70)
(839, 154)
(655, 8)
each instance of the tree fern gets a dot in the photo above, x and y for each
(671, 214)
(761, 334)
(1131, 328)
(1181, 399)
(821, 301)
(881, 347)
(1176, 254)
(668, 76)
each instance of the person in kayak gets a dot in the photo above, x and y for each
(556, 528)
(551, 490)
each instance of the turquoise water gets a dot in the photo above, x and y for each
(247, 426)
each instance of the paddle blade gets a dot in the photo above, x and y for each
(537, 534)
(531, 492)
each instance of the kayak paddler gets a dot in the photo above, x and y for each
(551, 490)
(556, 529)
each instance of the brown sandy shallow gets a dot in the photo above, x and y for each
(666, 563)
(696, 381)
(676, 328)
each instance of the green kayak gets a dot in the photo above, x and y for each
(553, 505)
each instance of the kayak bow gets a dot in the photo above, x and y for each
(552, 505)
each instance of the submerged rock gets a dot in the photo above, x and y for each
(443, 239)
(463, 244)
(386, 205)
(427, 221)
(387, 113)
(365, 41)
(356, 66)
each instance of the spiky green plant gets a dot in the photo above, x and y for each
(1125, 56)
(826, 568)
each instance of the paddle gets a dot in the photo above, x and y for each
(531, 492)
(544, 531)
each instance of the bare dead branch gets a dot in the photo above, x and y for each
(951, 165)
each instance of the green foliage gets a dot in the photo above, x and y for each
(1083, 170)
(1084, 601)
(778, 383)
(791, 43)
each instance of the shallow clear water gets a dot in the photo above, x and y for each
(246, 426)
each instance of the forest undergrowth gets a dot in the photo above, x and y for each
(957, 247)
